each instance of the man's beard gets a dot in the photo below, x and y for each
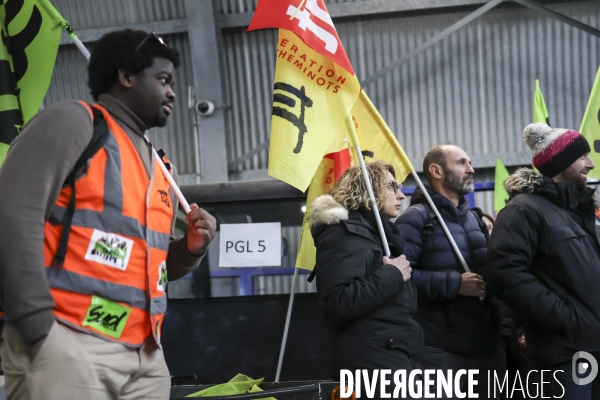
(572, 176)
(457, 184)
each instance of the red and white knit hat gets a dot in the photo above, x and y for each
(553, 150)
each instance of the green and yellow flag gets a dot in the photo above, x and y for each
(540, 112)
(590, 126)
(30, 38)
(500, 192)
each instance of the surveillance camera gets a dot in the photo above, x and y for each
(205, 107)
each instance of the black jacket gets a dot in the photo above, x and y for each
(369, 304)
(544, 262)
(458, 324)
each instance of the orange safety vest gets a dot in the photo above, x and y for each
(113, 279)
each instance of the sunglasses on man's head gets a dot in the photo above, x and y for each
(150, 35)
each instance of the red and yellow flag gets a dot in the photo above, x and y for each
(315, 88)
(377, 142)
(331, 168)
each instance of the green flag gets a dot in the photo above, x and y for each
(590, 126)
(30, 38)
(540, 113)
(500, 193)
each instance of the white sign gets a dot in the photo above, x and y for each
(250, 245)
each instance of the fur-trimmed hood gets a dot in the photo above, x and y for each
(527, 180)
(326, 211)
(524, 180)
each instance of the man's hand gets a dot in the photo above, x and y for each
(471, 284)
(402, 264)
(201, 229)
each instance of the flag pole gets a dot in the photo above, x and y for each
(184, 204)
(363, 168)
(441, 221)
(287, 326)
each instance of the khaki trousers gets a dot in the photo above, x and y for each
(76, 365)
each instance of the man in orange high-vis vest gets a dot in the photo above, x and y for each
(84, 295)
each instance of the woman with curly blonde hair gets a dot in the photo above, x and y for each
(369, 298)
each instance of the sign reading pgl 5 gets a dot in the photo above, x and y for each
(250, 245)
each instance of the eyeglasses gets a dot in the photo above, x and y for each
(150, 35)
(394, 186)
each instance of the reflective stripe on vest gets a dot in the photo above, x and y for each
(113, 280)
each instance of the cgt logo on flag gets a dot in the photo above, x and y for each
(309, 20)
(289, 96)
(305, 22)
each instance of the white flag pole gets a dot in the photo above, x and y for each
(184, 204)
(363, 168)
(442, 224)
(286, 329)
(350, 126)
(441, 221)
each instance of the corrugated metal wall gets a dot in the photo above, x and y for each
(474, 88)
(241, 6)
(88, 14)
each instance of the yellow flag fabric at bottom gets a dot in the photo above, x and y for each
(377, 142)
(312, 98)
(590, 126)
(322, 182)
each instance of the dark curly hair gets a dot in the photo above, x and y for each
(113, 51)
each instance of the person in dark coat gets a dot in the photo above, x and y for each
(461, 330)
(369, 298)
(544, 259)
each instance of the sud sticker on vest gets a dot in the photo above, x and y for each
(109, 249)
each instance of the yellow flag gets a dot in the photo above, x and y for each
(322, 182)
(377, 142)
(590, 126)
(312, 97)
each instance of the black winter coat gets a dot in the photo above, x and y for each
(458, 324)
(544, 262)
(369, 304)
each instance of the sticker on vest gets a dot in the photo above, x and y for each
(109, 249)
(107, 317)
(162, 277)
